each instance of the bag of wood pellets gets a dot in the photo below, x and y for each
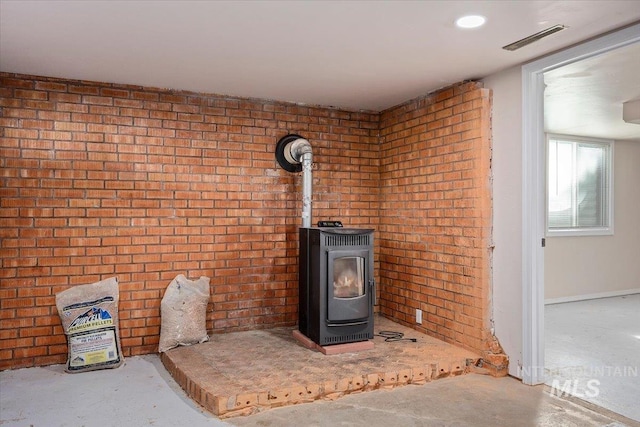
(184, 313)
(89, 315)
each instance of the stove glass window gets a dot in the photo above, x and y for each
(348, 277)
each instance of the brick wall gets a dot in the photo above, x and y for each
(435, 215)
(101, 180)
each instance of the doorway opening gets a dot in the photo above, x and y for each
(533, 198)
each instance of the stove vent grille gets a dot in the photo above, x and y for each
(347, 239)
(347, 338)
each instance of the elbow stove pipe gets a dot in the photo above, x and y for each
(294, 154)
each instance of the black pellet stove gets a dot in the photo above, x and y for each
(337, 288)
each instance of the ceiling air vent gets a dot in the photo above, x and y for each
(534, 38)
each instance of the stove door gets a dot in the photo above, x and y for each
(348, 298)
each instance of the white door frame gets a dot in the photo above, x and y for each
(533, 190)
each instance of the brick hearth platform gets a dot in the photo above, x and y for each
(243, 373)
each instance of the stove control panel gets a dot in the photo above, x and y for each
(329, 224)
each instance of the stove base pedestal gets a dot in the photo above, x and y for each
(352, 347)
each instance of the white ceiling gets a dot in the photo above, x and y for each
(585, 98)
(367, 55)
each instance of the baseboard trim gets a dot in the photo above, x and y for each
(591, 296)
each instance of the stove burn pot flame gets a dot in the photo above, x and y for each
(294, 154)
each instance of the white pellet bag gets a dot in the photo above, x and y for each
(89, 315)
(184, 312)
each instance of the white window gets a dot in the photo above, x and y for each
(579, 186)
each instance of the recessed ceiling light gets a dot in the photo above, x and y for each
(471, 21)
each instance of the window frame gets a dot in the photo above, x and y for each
(581, 231)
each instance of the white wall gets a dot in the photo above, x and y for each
(507, 211)
(507, 215)
(507, 292)
(590, 265)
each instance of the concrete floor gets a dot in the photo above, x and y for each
(594, 346)
(142, 393)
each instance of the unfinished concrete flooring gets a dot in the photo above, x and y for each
(465, 401)
(247, 372)
(142, 393)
